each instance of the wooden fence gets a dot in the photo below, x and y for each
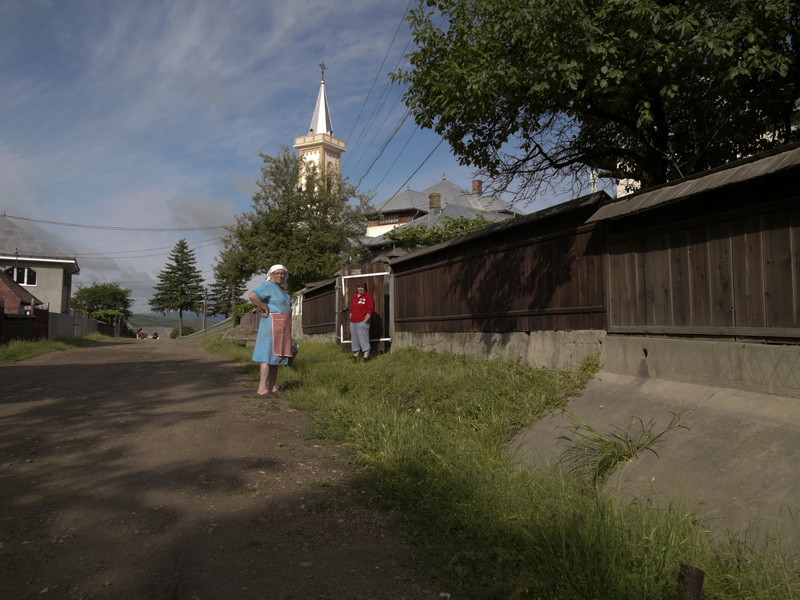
(721, 262)
(543, 271)
(716, 255)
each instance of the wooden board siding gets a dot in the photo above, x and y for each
(319, 312)
(527, 283)
(730, 275)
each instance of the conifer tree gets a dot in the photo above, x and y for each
(180, 285)
(225, 295)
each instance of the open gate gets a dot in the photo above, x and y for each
(376, 277)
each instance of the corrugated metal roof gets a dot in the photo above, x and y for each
(737, 172)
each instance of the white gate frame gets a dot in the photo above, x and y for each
(346, 301)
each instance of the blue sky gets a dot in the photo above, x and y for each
(152, 114)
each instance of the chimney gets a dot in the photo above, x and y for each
(477, 186)
(435, 201)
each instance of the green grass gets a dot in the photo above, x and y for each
(428, 434)
(17, 350)
(597, 455)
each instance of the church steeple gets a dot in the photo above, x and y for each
(319, 149)
(321, 121)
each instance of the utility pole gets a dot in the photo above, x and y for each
(205, 306)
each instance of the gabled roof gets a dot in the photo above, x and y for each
(25, 297)
(451, 195)
(16, 242)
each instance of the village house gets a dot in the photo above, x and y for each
(430, 207)
(36, 265)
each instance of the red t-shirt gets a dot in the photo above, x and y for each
(361, 306)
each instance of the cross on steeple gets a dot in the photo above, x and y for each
(322, 68)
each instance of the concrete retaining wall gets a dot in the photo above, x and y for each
(754, 367)
(748, 366)
(548, 349)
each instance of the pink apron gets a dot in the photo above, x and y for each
(281, 334)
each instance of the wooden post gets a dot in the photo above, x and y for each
(690, 583)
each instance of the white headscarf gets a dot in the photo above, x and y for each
(274, 268)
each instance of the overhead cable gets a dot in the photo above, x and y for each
(108, 227)
(405, 12)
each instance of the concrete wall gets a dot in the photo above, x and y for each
(753, 367)
(548, 349)
(748, 366)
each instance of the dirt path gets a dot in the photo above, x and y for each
(149, 470)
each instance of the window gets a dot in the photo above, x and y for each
(389, 219)
(22, 275)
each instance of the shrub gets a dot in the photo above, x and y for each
(187, 329)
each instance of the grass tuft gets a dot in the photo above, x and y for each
(597, 455)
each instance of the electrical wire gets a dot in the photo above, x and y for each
(417, 169)
(89, 254)
(378, 74)
(110, 228)
(100, 257)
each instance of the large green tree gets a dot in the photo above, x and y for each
(639, 89)
(312, 229)
(103, 301)
(180, 285)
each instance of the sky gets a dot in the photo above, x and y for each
(123, 114)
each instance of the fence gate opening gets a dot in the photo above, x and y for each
(376, 277)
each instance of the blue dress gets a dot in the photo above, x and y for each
(278, 301)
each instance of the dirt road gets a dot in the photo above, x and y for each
(149, 470)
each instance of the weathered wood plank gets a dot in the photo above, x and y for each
(698, 270)
(719, 275)
(778, 286)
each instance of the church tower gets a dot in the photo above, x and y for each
(319, 149)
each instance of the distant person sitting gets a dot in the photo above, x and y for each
(155, 335)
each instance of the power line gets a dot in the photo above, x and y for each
(417, 169)
(102, 257)
(89, 254)
(380, 152)
(108, 227)
(405, 12)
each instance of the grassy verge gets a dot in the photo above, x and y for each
(17, 350)
(429, 431)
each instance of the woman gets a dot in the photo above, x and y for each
(362, 306)
(274, 341)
